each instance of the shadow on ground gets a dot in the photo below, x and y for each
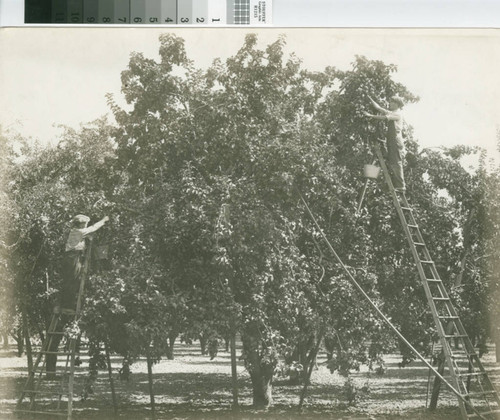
(193, 387)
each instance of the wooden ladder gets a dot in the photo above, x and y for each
(467, 373)
(45, 395)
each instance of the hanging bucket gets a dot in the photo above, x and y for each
(102, 252)
(372, 171)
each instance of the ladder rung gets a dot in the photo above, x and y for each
(441, 298)
(463, 356)
(434, 280)
(477, 394)
(485, 413)
(60, 353)
(464, 375)
(406, 208)
(426, 262)
(419, 243)
(52, 413)
(413, 226)
(448, 317)
(455, 335)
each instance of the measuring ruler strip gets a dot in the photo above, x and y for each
(149, 12)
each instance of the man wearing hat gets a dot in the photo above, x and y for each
(71, 272)
(72, 261)
(395, 145)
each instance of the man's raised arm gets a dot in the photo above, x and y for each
(376, 117)
(96, 226)
(377, 106)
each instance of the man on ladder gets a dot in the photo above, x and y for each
(476, 393)
(71, 271)
(395, 145)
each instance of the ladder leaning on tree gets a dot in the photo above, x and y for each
(465, 369)
(55, 397)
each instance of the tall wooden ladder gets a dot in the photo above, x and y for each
(52, 394)
(467, 373)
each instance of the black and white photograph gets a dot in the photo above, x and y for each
(249, 223)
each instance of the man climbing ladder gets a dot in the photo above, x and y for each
(395, 144)
(478, 397)
(72, 266)
(46, 397)
(72, 262)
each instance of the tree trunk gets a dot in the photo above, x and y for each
(441, 364)
(307, 358)
(41, 335)
(203, 344)
(20, 341)
(260, 369)
(26, 333)
(294, 375)
(234, 372)
(170, 349)
(150, 382)
(329, 347)
(5, 336)
(312, 355)
(262, 387)
(111, 381)
(497, 347)
(302, 354)
(437, 382)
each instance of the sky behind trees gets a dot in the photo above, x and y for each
(51, 76)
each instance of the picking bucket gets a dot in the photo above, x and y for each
(102, 252)
(371, 171)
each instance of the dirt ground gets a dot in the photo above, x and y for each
(194, 387)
